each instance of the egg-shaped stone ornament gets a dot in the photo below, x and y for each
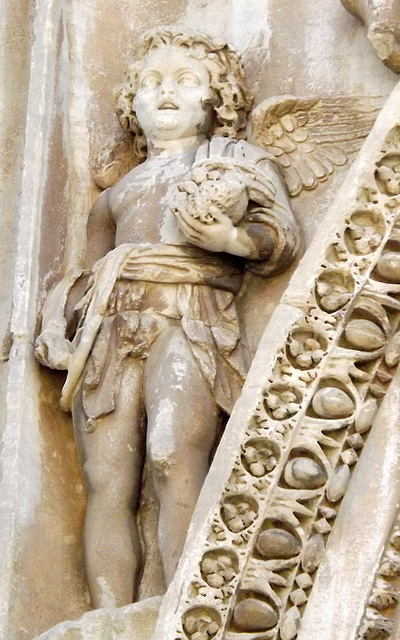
(388, 266)
(277, 543)
(254, 615)
(364, 335)
(304, 473)
(332, 403)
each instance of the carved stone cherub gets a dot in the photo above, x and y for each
(159, 353)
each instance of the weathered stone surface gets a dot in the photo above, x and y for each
(330, 68)
(382, 19)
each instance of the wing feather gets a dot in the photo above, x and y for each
(284, 160)
(317, 167)
(320, 157)
(293, 181)
(307, 176)
(286, 144)
(335, 155)
(311, 136)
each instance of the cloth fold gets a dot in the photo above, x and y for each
(115, 323)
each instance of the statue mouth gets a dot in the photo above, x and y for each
(166, 106)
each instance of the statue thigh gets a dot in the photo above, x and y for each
(182, 415)
(182, 422)
(182, 425)
(112, 455)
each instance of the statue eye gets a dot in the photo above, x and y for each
(189, 79)
(150, 81)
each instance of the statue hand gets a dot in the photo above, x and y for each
(209, 187)
(217, 236)
(53, 350)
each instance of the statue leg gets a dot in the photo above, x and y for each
(182, 425)
(112, 459)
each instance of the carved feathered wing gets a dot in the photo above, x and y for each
(309, 137)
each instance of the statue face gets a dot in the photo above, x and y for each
(171, 90)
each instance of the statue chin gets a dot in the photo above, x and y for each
(166, 125)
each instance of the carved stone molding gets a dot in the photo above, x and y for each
(252, 567)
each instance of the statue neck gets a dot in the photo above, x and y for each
(173, 147)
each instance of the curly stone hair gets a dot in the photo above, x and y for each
(232, 101)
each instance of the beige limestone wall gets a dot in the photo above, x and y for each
(15, 40)
(30, 461)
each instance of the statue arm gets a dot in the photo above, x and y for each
(222, 236)
(52, 347)
(239, 205)
(100, 230)
(275, 222)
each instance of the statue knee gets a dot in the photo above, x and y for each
(162, 458)
(95, 478)
(107, 485)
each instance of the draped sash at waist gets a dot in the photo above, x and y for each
(181, 264)
(159, 263)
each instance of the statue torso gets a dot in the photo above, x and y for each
(139, 202)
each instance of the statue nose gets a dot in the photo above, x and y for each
(167, 88)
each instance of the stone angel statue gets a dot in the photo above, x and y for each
(147, 327)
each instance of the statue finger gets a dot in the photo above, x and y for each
(190, 231)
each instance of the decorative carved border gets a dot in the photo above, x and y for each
(269, 532)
